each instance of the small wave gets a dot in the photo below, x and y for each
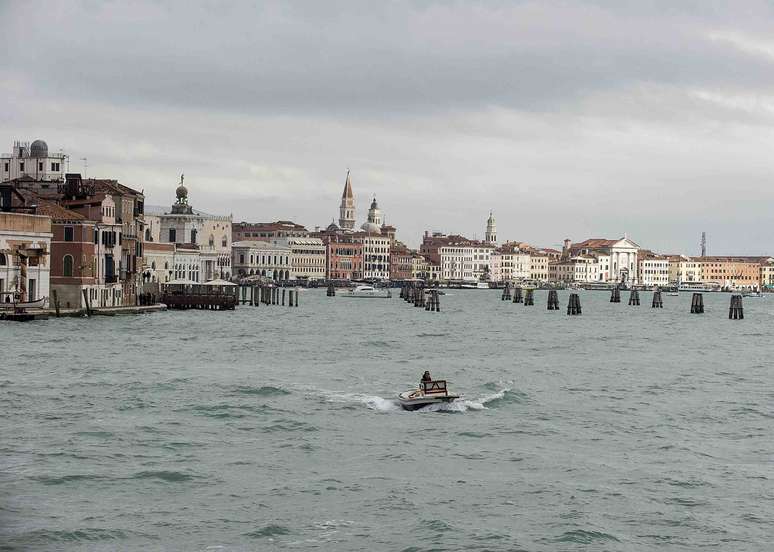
(168, 476)
(284, 425)
(263, 391)
(268, 531)
(49, 480)
(585, 537)
(42, 536)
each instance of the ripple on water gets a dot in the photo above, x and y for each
(263, 391)
(268, 532)
(581, 536)
(164, 475)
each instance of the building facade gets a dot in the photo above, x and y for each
(25, 246)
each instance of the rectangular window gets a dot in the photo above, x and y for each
(7, 167)
(68, 233)
(21, 166)
(40, 165)
(172, 235)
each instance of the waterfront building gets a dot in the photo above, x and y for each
(653, 269)
(511, 262)
(247, 231)
(347, 207)
(262, 258)
(581, 268)
(420, 267)
(129, 214)
(538, 266)
(159, 261)
(617, 259)
(33, 166)
(459, 258)
(767, 274)
(731, 272)
(344, 258)
(25, 247)
(191, 230)
(683, 269)
(401, 262)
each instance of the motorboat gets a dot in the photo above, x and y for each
(754, 295)
(428, 392)
(368, 292)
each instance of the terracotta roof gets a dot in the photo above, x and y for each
(106, 185)
(594, 243)
(58, 213)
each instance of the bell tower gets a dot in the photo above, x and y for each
(491, 229)
(347, 207)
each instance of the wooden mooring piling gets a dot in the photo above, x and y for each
(736, 310)
(506, 292)
(529, 297)
(553, 300)
(634, 298)
(615, 295)
(574, 306)
(658, 303)
(517, 295)
(697, 304)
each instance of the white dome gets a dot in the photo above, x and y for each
(371, 228)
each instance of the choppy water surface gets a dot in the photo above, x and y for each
(271, 428)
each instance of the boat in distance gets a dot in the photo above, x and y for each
(428, 392)
(368, 292)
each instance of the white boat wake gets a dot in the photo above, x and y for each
(380, 404)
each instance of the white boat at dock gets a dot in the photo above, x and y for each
(12, 305)
(368, 292)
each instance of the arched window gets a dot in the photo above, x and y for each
(153, 265)
(2, 259)
(212, 240)
(224, 242)
(67, 268)
(193, 236)
(147, 235)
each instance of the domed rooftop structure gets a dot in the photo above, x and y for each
(181, 206)
(332, 227)
(39, 148)
(371, 228)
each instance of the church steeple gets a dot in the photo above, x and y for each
(347, 207)
(491, 229)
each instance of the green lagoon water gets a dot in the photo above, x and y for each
(627, 428)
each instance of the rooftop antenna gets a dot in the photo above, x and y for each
(85, 166)
(703, 244)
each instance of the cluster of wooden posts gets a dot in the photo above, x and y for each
(331, 291)
(268, 295)
(417, 295)
(735, 312)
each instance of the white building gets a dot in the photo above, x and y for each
(307, 258)
(654, 270)
(262, 258)
(192, 231)
(617, 259)
(458, 257)
(34, 162)
(25, 246)
(582, 269)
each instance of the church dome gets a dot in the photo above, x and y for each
(371, 228)
(332, 227)
(181, 192)
(38, 148)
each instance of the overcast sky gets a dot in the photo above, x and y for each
(567, 119)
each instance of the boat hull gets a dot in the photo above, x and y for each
(421, 402)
